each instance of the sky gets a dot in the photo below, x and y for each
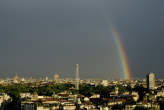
(39, 36)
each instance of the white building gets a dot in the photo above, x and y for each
(104, 82)
(68, 106)
(28, 106)
(56, 77)
(4, 97)
(150, 81)
(135, 96)
(160, 93)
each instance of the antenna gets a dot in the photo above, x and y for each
(77, 76)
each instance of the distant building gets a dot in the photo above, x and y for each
(55, 77)
(116, 90)
(68, 106)
(16, 78)
(28, 106)
(46, 78)
(135, 96)
(150, 81)
(104, 82)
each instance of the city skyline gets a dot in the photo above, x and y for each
(51, 36)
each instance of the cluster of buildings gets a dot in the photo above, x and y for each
(61, 101)
(128, 100)
(68, 101)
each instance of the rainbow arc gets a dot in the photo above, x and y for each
(122, 55)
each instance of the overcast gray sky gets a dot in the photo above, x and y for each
(52, 35)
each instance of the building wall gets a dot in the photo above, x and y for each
(151, 81)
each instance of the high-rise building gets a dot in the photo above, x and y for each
(150, 81)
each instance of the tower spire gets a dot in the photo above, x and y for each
(77, 76)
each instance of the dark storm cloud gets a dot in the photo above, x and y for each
(52, 35)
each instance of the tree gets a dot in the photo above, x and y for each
(86, 90)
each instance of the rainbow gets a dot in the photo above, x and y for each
(122, 55)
